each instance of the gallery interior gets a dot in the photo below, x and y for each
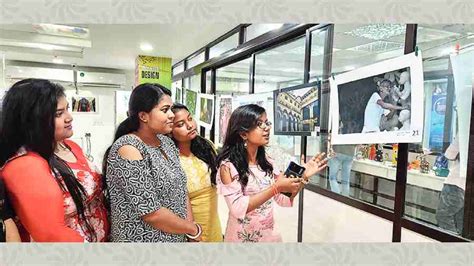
(301, 74)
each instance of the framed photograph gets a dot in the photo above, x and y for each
(121, 106)
(178, 95)
(223, 112)
(206, 110)
(84, 104)
(297, 109)
(191, 101)
(379, 103)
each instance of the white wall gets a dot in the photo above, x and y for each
(100, 125)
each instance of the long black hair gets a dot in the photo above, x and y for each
(28, 120)
(200, 147)
(243, 119)
(144, 98)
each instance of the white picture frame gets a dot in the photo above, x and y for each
(348, 85)
(84, 104)
(223, 112)
(205, 110)
(122, 97)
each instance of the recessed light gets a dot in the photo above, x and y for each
(146, 47)
(58, 61)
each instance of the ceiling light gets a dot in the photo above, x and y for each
(57, 60)
(377, 47)
(378, 31)
(62, 30)
(146, 47)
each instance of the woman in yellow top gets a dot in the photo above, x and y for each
(197, 156)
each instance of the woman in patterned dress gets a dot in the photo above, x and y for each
(55, 191)
(198, 159)
(147, 186)
(248, 180)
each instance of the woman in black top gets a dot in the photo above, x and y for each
(8, 229)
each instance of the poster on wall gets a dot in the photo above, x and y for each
(84, 104)
(379, 103)
(121, 106)
(191, 101)
(206, 110)
(223, 112)
(297, 109)
(152, 69)
(438, 113)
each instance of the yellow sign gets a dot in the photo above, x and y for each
(151, 69)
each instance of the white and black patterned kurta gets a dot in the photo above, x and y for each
(143, 186)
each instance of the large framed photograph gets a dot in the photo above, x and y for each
(84, 104)
(206, 110)
(379, 103)
(223, 112)
(297, 109)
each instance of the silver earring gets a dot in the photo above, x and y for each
(245, 143)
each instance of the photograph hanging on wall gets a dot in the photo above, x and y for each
(121, 106)
(206, 110)
(191, 101)
(379, 103)
(177, 96)
(84, 104)
(297, 109)
(223, 112)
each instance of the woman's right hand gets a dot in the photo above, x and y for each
(194, 231)
(285, 184)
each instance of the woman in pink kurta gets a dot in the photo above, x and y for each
(248, 180)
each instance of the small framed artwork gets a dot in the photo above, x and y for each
(84, 104)
(297, 109)
(206, 110)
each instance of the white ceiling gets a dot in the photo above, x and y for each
(117, 46)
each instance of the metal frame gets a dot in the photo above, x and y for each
(289, 32)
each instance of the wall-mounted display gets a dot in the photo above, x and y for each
(84, 104)
(206, 110)
(379, 103)
(121, 106)
(297, 109)
(224, 105)
(191, 101)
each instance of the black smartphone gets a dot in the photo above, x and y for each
(294, 170)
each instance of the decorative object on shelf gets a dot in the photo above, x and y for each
(394, 153)
(372, 151)
(378, 153)
(424, 165)
(442, 172)
(360, 152)
(440, 166)
(415, 164)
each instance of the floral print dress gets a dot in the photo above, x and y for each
(256, 225)
(90, 178)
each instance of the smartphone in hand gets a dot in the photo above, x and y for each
(293, 171)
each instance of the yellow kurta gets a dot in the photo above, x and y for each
(203, 197)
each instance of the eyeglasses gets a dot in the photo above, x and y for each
(264, 125)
